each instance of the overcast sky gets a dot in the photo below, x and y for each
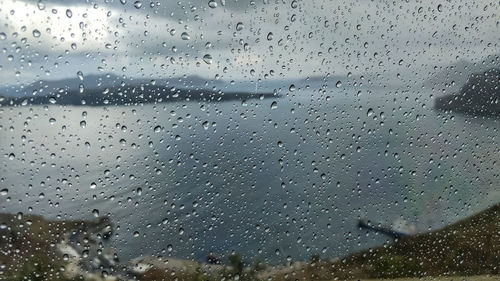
(244, 39)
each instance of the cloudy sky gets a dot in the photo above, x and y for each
(244, 39)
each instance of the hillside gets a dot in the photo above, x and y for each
(479, 96)
(468, 247)
(445, 80)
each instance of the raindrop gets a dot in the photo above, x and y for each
(69, 13)
(274, 105)
(270, 36)
(185, 36)
(83, 124)
(212, 4)
(137, 4)
(36, 33)
(239, 26)
(157, 129)
(41, 5)
(369, 112)
(207, 59)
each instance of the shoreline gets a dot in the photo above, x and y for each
(79, 248)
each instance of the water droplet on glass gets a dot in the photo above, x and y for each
(270, 36)
(69, 13)
(157, 129)
(41, 5)
(274, 105)
(137, 4)
(239, 26)
(369, 112)
(212, 4)
(207, 59)
(185, 36)
(83, 124)
(36, 33)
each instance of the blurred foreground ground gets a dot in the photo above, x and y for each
(469, 278)
(38, 249)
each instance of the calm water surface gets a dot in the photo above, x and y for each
(184, 179)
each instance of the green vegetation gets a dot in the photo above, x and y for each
(466, 248)
(28, 247)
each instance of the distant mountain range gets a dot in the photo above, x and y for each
(106, 90)
(479, 96)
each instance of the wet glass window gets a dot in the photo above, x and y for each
(249, 140)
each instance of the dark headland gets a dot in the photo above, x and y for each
(479, 96)
(112, 90)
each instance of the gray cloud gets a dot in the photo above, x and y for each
(311, 38)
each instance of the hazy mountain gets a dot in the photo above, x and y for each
(97, 90)
(480, 95)
(449, 79)
(92, 82)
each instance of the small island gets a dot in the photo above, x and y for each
(111, 90)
